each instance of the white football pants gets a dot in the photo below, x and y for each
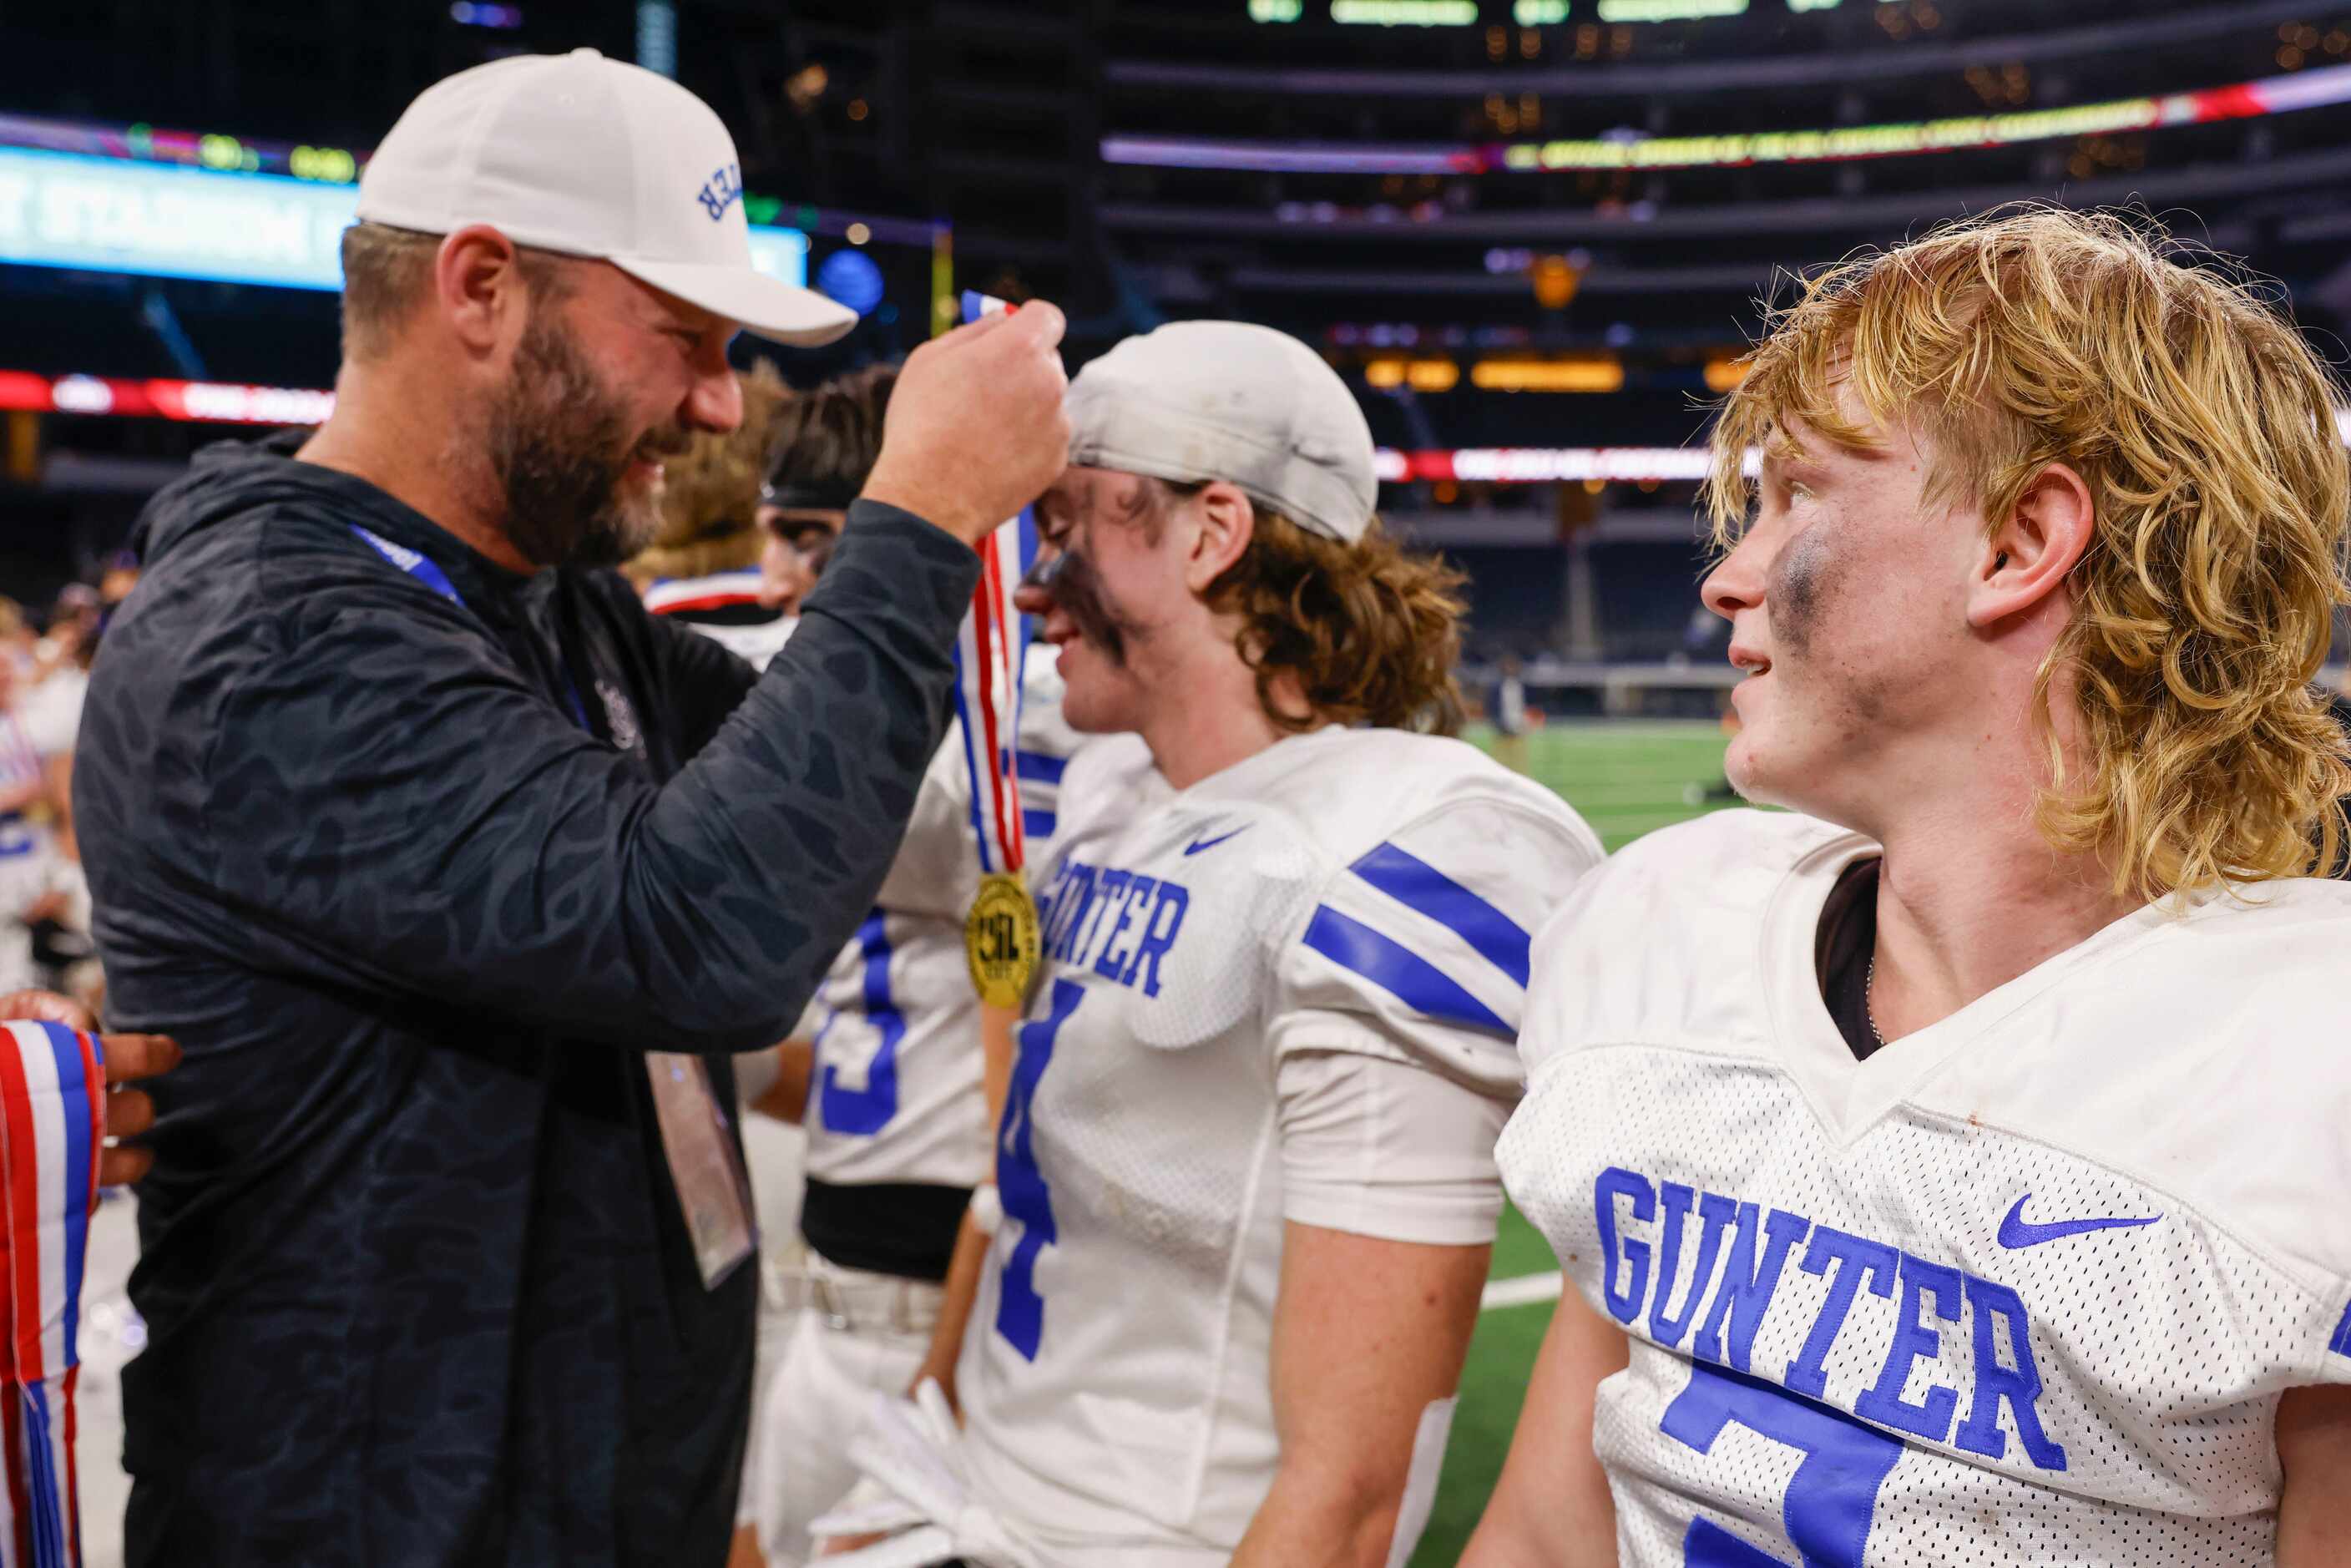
(817, 1400)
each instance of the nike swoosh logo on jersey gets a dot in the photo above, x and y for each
(1196, 845)
(2016, 1231)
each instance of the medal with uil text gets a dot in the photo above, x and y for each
(1000, 933)
(1001, 937)
(1000, 941)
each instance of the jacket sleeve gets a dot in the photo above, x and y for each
(390, 796)
(701, 679)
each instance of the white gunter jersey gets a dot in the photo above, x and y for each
(1349, 897)
(896, 1095)
(2023, 1287)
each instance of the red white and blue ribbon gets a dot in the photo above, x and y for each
(989, 650)
(52, 1126)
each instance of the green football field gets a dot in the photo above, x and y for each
(1627, 779)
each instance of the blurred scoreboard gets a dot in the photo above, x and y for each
(134, 199)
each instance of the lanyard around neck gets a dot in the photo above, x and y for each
(421, 567)
(426, 570)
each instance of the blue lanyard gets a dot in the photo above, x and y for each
(428, 572)
(422, 567)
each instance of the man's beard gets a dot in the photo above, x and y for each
(560, 448)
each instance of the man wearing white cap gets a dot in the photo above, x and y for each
(458, 875)
(1245, 1167)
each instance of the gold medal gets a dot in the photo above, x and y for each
(1000, 941)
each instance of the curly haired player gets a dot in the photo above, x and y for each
(1247, 1161)
(1954, 1172)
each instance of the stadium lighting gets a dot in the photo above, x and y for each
(2244, 100)
(168, 220)
(1543, 465)
(1723, 373)
(209, 403)
(228, 404)
(1276, 10)
(467, 14)
(146, 144)
(1405, 13)
(1669, 10)
(1589, 373)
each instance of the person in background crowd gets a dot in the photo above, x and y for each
(17, 639)
(1506, 709)
(702, 570)
(824, 441)
(51, 711)
(29, 851)
(816, 438)
(887, 1082)
(461, 877)
(116, 578)
(44, 901)
(52, 703)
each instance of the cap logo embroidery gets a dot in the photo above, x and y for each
(721, 191)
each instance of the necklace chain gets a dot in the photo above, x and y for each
(1869, 999)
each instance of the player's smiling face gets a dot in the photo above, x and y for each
(1112, 596)
(1847, 599)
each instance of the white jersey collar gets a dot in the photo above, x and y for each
(1851, 1096)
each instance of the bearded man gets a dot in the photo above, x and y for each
(456, 874)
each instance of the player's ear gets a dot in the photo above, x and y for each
(2025, 559)
(1227, 523)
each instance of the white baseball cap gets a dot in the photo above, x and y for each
(1226, 399)
(586, 156)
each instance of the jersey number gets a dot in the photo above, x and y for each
(1830, 1499)
(865, 1112)
(1020, 1309)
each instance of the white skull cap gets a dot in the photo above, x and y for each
(1198, 401)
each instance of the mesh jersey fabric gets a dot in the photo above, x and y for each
(1115, 1376)
(2023, 1286)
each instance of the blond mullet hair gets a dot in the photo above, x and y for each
(2206, 430)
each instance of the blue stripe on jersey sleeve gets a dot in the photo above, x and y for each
(1044, 767)
(1398, 970)
(1038, 824)
(2341, 1344)
(1413, 883)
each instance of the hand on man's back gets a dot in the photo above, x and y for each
(976, 429)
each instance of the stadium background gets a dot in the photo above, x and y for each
(1531, 234)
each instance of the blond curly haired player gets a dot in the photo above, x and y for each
(1953, 1170)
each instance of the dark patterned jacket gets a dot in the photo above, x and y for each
(417, 1284)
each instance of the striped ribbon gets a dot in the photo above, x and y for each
(988, 653)
(52, 1126)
